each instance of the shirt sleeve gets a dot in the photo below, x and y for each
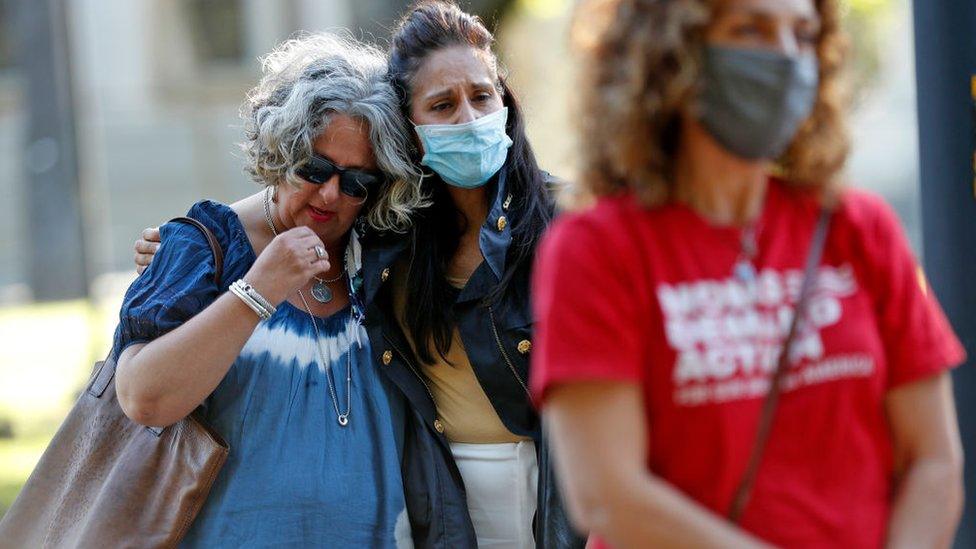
(590, 325)
(178, 284)
(917, 338)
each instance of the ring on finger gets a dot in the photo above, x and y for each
(320, 252)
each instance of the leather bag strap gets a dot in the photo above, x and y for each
(744, 490)
(105, 370)
(218, 253)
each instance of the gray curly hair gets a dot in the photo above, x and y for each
(306, 80)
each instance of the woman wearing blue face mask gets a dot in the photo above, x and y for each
(726, 358)
(451, 299)
(476, 471)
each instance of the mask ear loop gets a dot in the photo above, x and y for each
(424, 173)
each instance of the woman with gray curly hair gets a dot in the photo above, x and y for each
(277, 353)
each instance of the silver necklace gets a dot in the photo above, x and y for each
(320, 290)
(343, 418)
(745, 267)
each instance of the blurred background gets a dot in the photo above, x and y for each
(119, 114)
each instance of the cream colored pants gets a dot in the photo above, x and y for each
(500, 480)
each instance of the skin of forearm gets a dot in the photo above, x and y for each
(928, 505)
(639, 510)
(161, 382)
(929, 462)
(609, 491)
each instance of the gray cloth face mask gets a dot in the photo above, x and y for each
(753, 101)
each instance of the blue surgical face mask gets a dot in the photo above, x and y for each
(466, 155)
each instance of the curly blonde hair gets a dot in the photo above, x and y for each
(306, 81)
(641, 62)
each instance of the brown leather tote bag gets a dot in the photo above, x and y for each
(106, 481)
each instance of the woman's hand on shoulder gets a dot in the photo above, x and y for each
(146, 247)
(287, 263)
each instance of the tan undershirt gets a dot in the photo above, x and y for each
(462, 405)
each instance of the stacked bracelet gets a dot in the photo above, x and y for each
(253, 299)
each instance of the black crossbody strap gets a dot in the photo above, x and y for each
(744, 490)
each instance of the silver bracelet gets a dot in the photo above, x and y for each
(253, 299)
(254, 305)
(256, 296)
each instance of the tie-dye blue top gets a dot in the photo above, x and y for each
(294, 476)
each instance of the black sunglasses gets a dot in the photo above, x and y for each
(352, 182)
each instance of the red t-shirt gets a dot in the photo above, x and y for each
(648, 296)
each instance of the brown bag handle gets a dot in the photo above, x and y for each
(744, 490)
(105, 370)
(218, 253)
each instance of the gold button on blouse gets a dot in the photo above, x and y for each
(439, 426)
(502, 223)
(385, 275)
(387, 357)
(524, 346)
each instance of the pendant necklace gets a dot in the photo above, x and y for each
(320, 290)
(745, 267)
(341, 417)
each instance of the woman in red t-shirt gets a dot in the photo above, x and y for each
(662, 308)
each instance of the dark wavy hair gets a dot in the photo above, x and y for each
(428, 26)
